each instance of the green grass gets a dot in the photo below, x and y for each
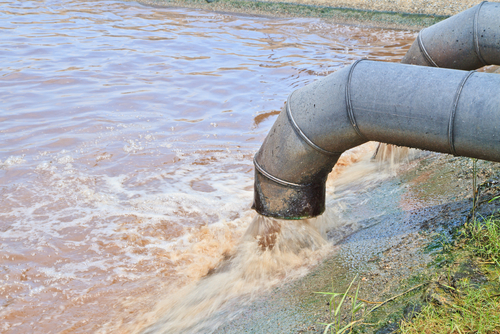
(472, 311)
(462, 295)
(469, 307)
(482, 238)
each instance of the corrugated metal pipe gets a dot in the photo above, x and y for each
(429, 108)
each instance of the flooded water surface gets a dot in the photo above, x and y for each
(127, 135)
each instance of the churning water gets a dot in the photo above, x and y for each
(126, 141)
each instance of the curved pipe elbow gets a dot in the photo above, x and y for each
(449, 112)
(297, 155)
(434, 109)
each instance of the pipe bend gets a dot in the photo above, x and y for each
(435, 109)
(441, 111)
(299, 149)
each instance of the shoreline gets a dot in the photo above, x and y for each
(391, 14)
(402, 259)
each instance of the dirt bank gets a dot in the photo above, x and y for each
(427, 7)
(395, 14)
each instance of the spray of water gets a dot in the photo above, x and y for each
(394, 155)
(269, 252)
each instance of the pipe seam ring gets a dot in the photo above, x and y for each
(274, 178)
(476, 34)
(426, 54)
(301, 134)
(350, 112)
(451, 135)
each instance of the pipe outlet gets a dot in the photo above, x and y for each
(441, 110)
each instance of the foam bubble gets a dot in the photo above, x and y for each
(65, 160)
(12, 161)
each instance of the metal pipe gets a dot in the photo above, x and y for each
(434, 109)
(466, 41)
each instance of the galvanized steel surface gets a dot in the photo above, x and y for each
(439, 110)
(434, 109)
(466, 41)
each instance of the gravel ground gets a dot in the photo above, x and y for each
(393, 14)
(428, 7)
(383, 255)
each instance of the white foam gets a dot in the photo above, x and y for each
(65, 160)
(12, 161)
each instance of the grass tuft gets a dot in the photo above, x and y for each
(472, 308)
(482, 238)
(336, 303)
(474, 311)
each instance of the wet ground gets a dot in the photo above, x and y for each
(385, 251)
(361, 13)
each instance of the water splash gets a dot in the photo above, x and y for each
(270, 252)
(394, 155)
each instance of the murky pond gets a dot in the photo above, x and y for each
(126, 141)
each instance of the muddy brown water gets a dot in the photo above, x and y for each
(127, 136)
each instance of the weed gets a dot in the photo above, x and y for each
(334, 326)
(474, 311)
(482, 238)
(472, 308)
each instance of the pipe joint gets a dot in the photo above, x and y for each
(466, 41)
(390, 103)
